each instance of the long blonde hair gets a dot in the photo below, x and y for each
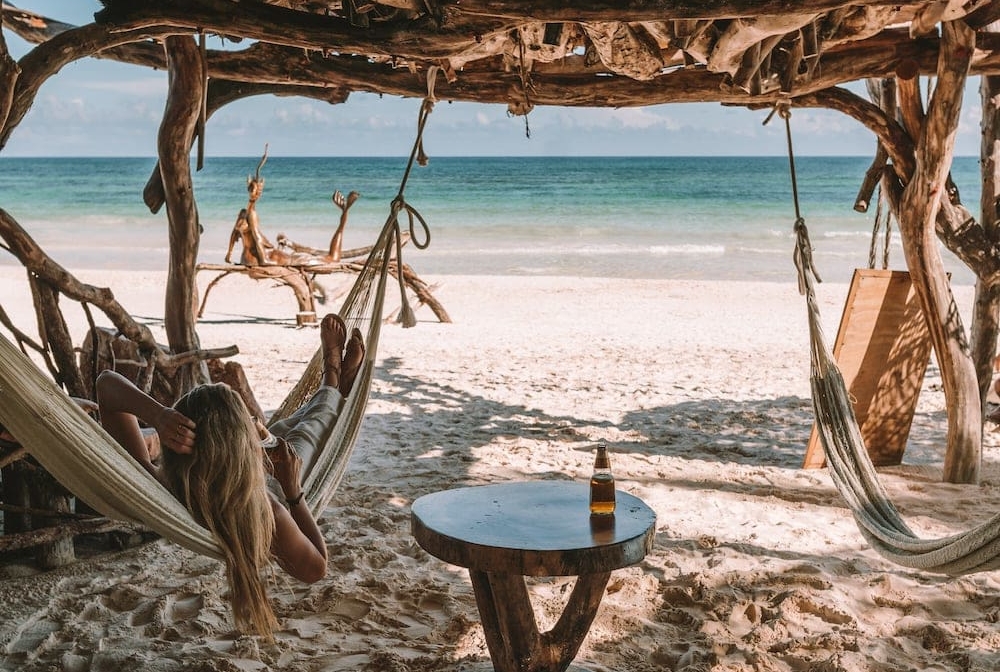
(222, 484)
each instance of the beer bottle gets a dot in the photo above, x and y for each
(602, 484)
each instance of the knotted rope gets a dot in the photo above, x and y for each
(399, 204)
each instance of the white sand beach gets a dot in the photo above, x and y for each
(701, 391)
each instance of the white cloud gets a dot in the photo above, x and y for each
(377, 122)
(140, 86)
(969, 123)
(820, 122)
(54, 108)
(300, 116)
(643, 118)
(629, 119)
(145, 111)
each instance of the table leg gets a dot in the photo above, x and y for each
(512, 632)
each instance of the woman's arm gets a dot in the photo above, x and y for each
(298, 543)
(122, 405)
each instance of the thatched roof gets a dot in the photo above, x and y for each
(519, 53)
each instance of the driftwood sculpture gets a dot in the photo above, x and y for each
(257, 249)
(295, 264)
(335, 252)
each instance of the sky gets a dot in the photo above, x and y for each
(101, 108)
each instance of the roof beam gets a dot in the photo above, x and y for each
(285, 70)
(460, 24)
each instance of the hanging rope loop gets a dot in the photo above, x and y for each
(413, 217)
(406, 316)
(417, 153)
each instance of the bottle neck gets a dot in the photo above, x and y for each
(602, 461)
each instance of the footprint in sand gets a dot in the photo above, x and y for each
(351, 608)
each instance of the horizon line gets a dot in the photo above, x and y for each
(464, 156)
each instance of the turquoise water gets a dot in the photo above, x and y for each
(642, 217)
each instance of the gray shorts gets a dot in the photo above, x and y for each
(308, 429)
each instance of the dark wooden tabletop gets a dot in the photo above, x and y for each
(532, 528)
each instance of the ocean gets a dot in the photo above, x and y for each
(704, 218)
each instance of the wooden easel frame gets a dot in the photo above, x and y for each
(883, 348)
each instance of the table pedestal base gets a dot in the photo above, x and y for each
(511, 631)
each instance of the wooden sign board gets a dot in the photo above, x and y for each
(882, 349)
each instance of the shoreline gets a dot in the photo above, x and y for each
(649, 218)
(700, 389)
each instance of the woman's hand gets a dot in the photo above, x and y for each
(176, 430)
(286, 466)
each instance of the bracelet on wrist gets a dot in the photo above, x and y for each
(295, 500)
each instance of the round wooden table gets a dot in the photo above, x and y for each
(507, 531)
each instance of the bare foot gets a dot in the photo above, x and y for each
(354, 356)
(333, 333)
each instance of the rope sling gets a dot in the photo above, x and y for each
(851, 468)
(88, 462)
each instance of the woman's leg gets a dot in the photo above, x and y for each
(309, 428)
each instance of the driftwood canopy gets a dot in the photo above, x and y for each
(536, 53)
(753, 53)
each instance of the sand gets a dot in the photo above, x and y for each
(701, 391)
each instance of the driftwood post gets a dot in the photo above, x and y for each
(187, 80)
(9, 72)
(48, 495)
(55, 334)
(917, 218)
(925, 213)
(44, 492)
(986, 309)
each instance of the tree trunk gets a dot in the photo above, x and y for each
(16, 493)
(51, 496)
(985, 325)
(187, 82)
(917, 216)
(55, 333)
(9, 72)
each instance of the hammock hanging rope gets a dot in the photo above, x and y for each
(851, 468)
(88, 462)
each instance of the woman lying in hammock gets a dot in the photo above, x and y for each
(213, 461)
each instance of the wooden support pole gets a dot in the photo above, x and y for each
(48, 494)
(985, 326)
(917, 218)
(174, 141)
(9, 72)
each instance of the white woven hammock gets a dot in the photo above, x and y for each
(93, 466)
(853, 473)
(88, 462)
